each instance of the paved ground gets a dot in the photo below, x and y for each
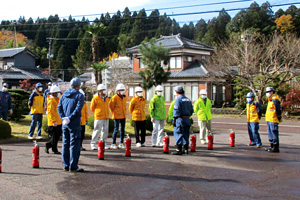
(240, 172)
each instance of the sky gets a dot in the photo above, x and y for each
(43, 9)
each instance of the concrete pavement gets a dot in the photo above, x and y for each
(226, 172)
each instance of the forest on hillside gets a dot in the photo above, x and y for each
(71, 42)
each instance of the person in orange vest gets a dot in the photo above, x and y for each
(253, 117)
(36, 104)
(117, 106)
(54, 120)
(137, 109)
(273, 118)
(84, 120)
(99, 106)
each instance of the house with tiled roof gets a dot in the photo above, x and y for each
(18, 64)
(188, 65)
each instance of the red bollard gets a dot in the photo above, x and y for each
(193, 143)
(0, 160)
(35, 155)
(210, 138)
(232, 138)
(101, 150)
(128, 146)
(166, 144)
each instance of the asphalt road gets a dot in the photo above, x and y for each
(226, 172)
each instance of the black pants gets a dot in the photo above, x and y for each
(140, 126)
(54, 134)
(82, 134)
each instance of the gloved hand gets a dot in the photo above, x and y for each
(152, 120)
(66, 121)
(87, 122)
(10, 111)
(46, 113)
(55, 124)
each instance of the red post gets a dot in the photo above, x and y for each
(232, 138)
(128, 146)
(101, 150)
(193, 143)
(35, 155)
(166, 144)
(210, 138)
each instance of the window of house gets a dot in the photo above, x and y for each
(195, 93)
(167, 93)
(189, 59)
(150, 94)
(203, 57)
(173, 93)
(131, 91)
(214, 92)
(142, 66)
(188, 91)
(223, 93)
(175, 62)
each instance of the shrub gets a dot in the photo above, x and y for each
(110, 126)
(45, 124)
(149, 125)
(5, 129)
(20, 103)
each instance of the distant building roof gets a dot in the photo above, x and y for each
(175, 42)
(193, 71)
(5, 53)
(21, 74)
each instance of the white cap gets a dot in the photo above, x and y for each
(138, 89)
(120, 86)
(101, 87)
(54, 89)
(203, 92)
(159, 88)
(82, 92)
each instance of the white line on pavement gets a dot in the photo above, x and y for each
(290, 126)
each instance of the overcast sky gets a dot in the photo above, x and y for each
(12, 10)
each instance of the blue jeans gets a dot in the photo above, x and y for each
(273, 132)
(71, 147)
(182, 131)
(37, 119)
(3, 115)
(117, 122)
(253, 133)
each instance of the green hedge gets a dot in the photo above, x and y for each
(20, 103)
(5, 129)
(149, 125)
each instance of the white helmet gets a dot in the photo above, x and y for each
(203, 92)
(138, 89)
(82, 92)
(159, 88)
(54, 89)
(101, 87)
(120, 86)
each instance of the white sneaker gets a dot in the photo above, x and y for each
(93, 148)
(106, 147)
(144, 144)
(30, 138)
(160, 144)
(138, 144)
(39, 137)
(114, 146)
(121, 146)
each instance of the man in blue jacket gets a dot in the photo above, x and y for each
(69, 109)
(46, 93)
(183, 109)
(5, 102)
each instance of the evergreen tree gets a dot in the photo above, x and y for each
(201, 28)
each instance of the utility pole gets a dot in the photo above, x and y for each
(49, 55)
(16, 39)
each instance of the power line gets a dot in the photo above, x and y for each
(134, 18)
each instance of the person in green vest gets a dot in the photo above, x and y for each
(202, 107)
(171, 108)
(157, 111)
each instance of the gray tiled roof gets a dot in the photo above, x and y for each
(193, 71)
(21, 74)
(175, 42)
(14, 51)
